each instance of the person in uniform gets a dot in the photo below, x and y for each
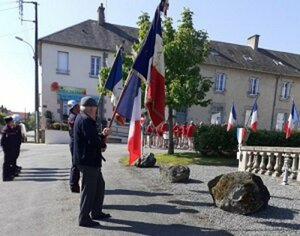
(74, 110)
(18, 128)
(9, 143)
(88, 147)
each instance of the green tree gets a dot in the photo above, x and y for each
(184, 50)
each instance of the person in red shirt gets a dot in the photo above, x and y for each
(191, 129)
(165, 131)
(180, 136)
(149, 132)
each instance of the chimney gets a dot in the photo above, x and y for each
(101, 15)
(253, 41)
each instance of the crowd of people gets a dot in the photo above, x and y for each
(183, 135)
(86, 148)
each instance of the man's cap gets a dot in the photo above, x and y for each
(88, 102)
(8, 119)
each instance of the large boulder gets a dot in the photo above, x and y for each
(147, 160)
(239, 192)
(174, 173)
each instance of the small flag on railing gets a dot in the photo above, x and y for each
(240, 134)
(253, 124)
(293, 119)
(232, 118)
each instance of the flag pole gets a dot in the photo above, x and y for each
(121, 96)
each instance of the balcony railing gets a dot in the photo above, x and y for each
(270, 160)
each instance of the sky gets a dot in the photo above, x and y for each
(276, 21)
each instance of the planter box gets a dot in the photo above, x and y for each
(56, 137)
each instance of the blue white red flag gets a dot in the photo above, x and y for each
(253, 124)
(240, 134)
(232, 118)
(293, 119)
(150, 66)
(114, 83)
(130, 107)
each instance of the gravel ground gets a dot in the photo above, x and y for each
(281, 217)
(39, 202)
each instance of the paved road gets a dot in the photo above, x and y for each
(39, 201)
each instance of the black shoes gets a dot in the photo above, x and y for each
(75, 189)
(89, 223)
(101, 216)
(8, 179)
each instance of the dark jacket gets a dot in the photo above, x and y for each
(87, 142)
(71, 122)
(9, 140)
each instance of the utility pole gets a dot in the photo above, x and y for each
(36, 66)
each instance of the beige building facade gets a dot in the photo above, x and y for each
(274, 84)
(241, 74)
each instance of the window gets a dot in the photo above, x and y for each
(285, 90)
(62, 63)
(95, 66)
(220, 82)
(281, 117)
(253, 86)
(217, 115)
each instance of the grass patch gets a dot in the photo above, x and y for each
(190, 158)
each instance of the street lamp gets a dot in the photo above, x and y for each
(36, 117)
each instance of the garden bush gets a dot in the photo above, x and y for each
(215, 140)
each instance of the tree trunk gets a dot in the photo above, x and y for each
(170, 121)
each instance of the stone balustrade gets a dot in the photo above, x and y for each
(269, 160)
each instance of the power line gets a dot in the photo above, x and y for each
(8, 9)
(8, 3)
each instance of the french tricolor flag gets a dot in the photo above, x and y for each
(293, 119)
(130, 107)
(240, 134)
(232, 118)
(253, 124)
(114, 83)
(150, 66)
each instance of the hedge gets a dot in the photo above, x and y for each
(215, 140)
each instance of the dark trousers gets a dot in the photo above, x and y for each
(92, 192)
(74, 172)
(8, 168)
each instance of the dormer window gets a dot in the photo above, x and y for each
(247, 58)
